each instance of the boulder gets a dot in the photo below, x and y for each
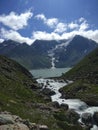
(87, 118)
(5, 120)
(13, 122)
(55, 104)
(17, 126)
(48, 92)
(64, 106)
(43, 127)
(95, 117)
(72, 117)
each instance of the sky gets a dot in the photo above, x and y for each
(28, 20)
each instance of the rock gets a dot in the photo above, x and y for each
(72, 116)
(95, 117)
(48, 92)
(13, 122)
(17, 126)
(46, 98)
(55, 104)
(43, 127)
(87, 118)
(5, 120)
(64, 106)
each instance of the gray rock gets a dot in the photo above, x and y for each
(5, 120)
(43, 127)
(64, 106)
(13, 122)
(95, 117)
(55, 104)
(17, 126)
(48, 92)
(87, 118)
(72, 117)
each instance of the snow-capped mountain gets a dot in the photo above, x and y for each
(47, 54)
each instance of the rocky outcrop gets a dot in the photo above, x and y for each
(95, 116)
(72, 116)
(64, 106)
(13, 122)
(86, 117)
(48, 92)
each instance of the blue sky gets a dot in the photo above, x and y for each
(28, 20)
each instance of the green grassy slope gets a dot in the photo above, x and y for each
(85, 77)
(19, 95)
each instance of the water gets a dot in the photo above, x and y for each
(52, 72)
(76, 104)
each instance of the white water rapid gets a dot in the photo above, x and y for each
(79, 106)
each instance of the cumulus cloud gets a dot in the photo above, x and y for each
(14, 35)
(1, 40)
(73, 25)
(91, 34)
(16, 21)
(51, 22)
(60, 28)
(45, 36)
(83, 26)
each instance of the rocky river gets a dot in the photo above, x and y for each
(86, 113)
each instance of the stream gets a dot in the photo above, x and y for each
(76, 104)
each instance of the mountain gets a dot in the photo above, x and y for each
(7, 46)
(85, 77)
(77, 48)
(47, 54)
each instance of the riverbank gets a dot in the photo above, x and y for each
(76, 105)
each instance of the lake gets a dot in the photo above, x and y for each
(45, 73)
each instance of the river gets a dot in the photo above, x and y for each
(79, 106)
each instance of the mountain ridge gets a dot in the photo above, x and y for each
(85, 80)
(40, 54)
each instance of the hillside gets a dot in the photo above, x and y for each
(19, 94)
(66, 53)
(85, 77)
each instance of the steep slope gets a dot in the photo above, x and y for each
(77, 48)
(85, 76)
(20, 96)
(7, 46)
(47, 54)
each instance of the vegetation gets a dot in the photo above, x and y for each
(19, 94)
(85, 77)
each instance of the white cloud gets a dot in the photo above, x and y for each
(91, 34)
(73, 25)
(16, 21)
(81, 19)
(60, 31)
(14, 35)
(51, 22)
(60, 28)
(45, 36)
(84, 25)
(1, 40)
(41, 16)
